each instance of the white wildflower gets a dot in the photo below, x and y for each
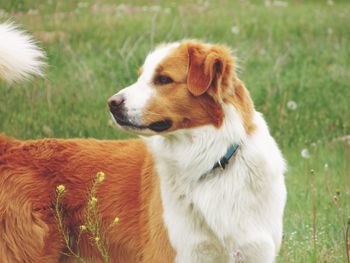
(292, 105)
(330, 2)
(305, 153)
(235, 30)
(280, 4)
(326, 166)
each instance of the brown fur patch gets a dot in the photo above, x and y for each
(29, 174)
(243, 103)
(204, 78)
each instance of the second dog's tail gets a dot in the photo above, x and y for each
(20, 57)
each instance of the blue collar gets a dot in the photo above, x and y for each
(223, 161)
(226, 158)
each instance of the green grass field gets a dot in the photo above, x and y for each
(294, 58)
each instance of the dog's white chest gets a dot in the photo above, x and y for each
(199, 216)
(230, 215)
(219, 218)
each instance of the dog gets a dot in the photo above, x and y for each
(204, 183)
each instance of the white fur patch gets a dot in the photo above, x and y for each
(153, 60)
(236, 209)
(138, 94)
(19, 56)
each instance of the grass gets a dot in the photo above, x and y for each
(288, 51)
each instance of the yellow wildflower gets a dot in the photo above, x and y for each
(60, 188)
(93, 201)
(100, 176)
(116, 221)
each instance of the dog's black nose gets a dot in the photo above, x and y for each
(115, 103)
(116, 107)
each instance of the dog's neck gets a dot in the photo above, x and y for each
(195, 151)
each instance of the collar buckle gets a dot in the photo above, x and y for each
(222, 163)
(226, 158)
(231, 151)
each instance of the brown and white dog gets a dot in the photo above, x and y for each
(203, 184)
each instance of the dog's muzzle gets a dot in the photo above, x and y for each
(117, 108)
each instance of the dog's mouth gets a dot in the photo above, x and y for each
(158, 126)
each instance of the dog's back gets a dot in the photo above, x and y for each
(5, 143)
(30, 172)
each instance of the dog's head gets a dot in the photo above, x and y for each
(181, 86)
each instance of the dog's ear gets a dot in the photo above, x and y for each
(206, 68)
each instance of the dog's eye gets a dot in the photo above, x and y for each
(162, 80)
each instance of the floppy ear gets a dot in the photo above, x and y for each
(205, 69)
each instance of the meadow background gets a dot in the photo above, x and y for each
(294, 57)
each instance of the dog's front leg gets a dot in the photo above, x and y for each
(191, 237)
(259, 251)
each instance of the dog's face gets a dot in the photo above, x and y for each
(181, 86)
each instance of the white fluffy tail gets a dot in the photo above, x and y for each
(20, 58)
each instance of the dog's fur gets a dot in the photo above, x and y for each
(19, 56)
(172, 204)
